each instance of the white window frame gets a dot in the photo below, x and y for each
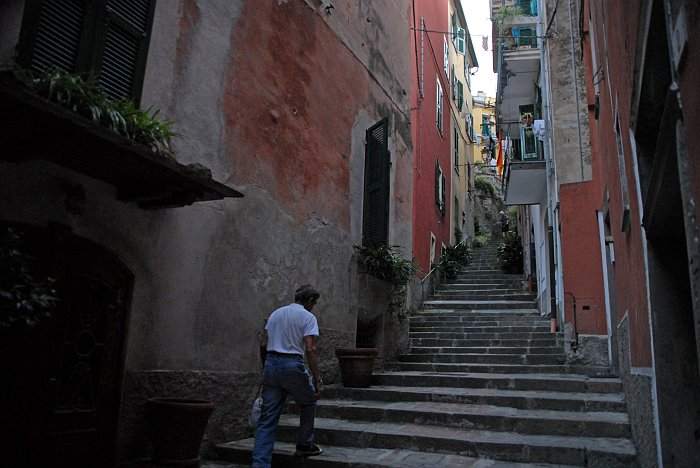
(438, 105)
(446, 56)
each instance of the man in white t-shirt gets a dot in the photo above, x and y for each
(289, 334)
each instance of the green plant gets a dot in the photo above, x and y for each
(485, 185)
(83, 96)
(510, 253)
(386, 263)
(453, 258)
(477, 226)
(480, 240)
(24, 299)
(505, 12)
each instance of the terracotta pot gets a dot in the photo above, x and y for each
(356, 365)
(177, 429)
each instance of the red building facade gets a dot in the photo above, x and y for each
(430, 128)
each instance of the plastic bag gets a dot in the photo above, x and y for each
(255, 413)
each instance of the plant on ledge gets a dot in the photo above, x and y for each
(453, 258)
(386, 263)
(510, 253)
(24, 299)
(84, 97)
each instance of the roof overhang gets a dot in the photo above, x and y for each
(32, 127)
(526, 183)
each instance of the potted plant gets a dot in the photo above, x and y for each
(356, 365)
(177, 429)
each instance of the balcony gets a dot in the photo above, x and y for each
(526, 183)
(34, 128)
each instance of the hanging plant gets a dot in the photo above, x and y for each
(386, 263)
(25, 300)
(83, 96)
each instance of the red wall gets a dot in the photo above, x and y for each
(428, 143)
(616, 46)
(582, 258)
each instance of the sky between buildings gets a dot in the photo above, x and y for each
(479, 23)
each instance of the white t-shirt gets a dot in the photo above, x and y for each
(287, 327)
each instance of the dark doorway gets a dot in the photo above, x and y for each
(61, 381)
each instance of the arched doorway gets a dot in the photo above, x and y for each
(62, 380)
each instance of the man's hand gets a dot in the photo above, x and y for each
(318, 386)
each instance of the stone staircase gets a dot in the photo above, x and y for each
(485, 384)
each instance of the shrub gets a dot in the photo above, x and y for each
(480, 240)
(477, 226)
(510, 253)
(453, 258)
(485, 185)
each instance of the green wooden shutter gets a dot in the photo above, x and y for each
(122, 60)
(375, 221)
(53, 34)
(461, 40)
(460, 95)
(105, 38)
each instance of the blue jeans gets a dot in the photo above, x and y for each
(283, 375)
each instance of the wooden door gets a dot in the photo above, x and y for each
(61, 405)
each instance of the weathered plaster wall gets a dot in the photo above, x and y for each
(638, 394)
(582, 270)
(572, 151)
(10, 25)
(275, 98)
(430, 145)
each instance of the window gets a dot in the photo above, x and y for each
(460, 95)
(438, 117)
(440, 188)
(107, 39)
(375, 219)
(453, 82)
(461, 40)
(624, 187)
(446, 57)
(455, 147)
(470, 128)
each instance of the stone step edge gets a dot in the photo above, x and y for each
(356, 457)
(485, 392)
(483, 438)
(475, 409)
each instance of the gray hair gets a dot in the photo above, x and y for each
(305, 292)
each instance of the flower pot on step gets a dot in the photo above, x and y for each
(356, 365)
(177, 429)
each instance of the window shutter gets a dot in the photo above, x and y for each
(123, 56)
(443, 194)
(105, 38)
(460, 95)
(453, 82)
(375, 227)
(52, 34)
(438, 175)
(461, 40)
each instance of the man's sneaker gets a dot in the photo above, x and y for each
(308, 450)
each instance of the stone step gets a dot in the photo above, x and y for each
(466, 328)
(576, 383)
(489, 342)
(482, 285)
(520, 350)
(509, 446)
(343, 456)
(463, 335)
(422, 320)
(499, 368)
(522, 399)
(473, 358)
(493, 314)
(478, 305)
(487, 417)
(484, 295)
